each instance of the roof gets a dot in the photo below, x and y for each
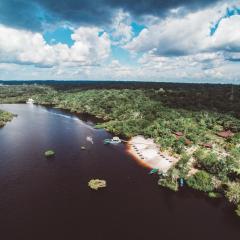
(188, 142)
(225, 134)
(179, 134)
(207, 145)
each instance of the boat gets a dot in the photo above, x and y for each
(181, 182)
(154, 170)
(89, 139)
(114, 140)
(30, 101)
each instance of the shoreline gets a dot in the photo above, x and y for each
(147, 154)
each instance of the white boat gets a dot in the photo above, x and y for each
(89, 139)
(114, 140)
(30, 101)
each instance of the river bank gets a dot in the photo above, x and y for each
(148, 154)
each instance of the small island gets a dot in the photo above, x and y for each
(49, 153)
(95, 184)
(5, 117)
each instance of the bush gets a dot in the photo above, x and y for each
(201, 181)
(199, 154)
(178, 145)
(233, 192)
(235, 152)
(237, 211)
(182, 165)
(214, 195)
(210, 163)
(168, 183)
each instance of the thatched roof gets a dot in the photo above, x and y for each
(188, 142)
(225, 134)
(207, 145)
(179, 134)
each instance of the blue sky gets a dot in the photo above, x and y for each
(59, 35)
(179, 40)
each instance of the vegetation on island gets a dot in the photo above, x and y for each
(49, 153)
(95, 184)
(5, 117)
(198, 124)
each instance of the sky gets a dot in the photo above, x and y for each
(128, 40)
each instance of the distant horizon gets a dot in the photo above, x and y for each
(112, 82)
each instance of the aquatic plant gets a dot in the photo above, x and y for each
(214, 195)
(97, 183)
(49, 153)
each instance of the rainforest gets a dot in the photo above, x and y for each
(190, 122)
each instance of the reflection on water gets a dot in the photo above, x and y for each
(50, 199)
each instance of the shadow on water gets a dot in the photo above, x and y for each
(49, 198)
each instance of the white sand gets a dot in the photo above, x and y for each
(149, 155)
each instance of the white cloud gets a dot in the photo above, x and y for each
(174, 35)
(174, 49)
(121, 29)
(227, 35)
(89, 46)
(25, 47)
(190, 34)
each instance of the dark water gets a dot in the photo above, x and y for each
(50, 199)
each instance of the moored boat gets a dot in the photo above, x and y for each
(114, 140)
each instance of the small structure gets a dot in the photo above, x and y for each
(178, 134)
(30, 101)
(95, 184)
(207, 145)
(225, 134)
(188, 142)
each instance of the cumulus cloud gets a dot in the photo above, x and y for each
(178, 43)
(227, 35)
(121, 29)
(190, 34)
(34, 15)
(25, 47)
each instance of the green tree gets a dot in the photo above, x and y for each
(233, 192)
(201, 181)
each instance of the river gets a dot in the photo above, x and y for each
(50, 199)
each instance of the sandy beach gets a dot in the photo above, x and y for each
(147, 153)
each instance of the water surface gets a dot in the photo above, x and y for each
(49, 199)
